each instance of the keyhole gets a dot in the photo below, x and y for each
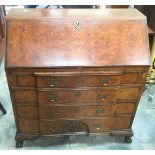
(78, 25)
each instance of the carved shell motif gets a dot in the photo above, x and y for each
(76, 127)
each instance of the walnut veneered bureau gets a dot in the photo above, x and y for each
(75, 71)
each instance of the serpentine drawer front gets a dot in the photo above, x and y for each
(73, 72)
(70, 96)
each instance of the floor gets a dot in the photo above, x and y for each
(143, 127)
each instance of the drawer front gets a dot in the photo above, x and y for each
(127, 93)
(127, 108)
(129, 78)
(122, 122)
(28, 126)
(75, 126)
(75, 96)
(25, 81)
(77, 81)
(30, 112)
(24, 96)
(21, 81)
(52, 112)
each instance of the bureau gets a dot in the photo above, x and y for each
(75, 71)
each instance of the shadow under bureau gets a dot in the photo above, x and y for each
(75, 71)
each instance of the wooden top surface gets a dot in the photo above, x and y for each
(51, 38)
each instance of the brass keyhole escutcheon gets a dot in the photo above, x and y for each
(78, 78)
(78, 25)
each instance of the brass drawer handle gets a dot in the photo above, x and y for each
(105, 81)
(97, 126)
(52, 82)
(100, 111)
(78, 93)
(52, 112)
(52, 98)
(77, 109)
(102, 96)
(53, 128)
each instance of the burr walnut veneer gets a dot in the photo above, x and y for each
(75, 71)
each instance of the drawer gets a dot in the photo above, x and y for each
(24, 96)
(76, 80)
(129, 92)
(28, 126)
(52, 112)
(125, 108)
(133, 78)
(122, 122)
(129, 78)
(30, 112)
(21, 81)
(75, 126)
(72, 96)
(25, 81)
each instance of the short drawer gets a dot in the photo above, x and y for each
(72, 96)
(77, 80)
(129, 78)
(21, 80)
(122, 122)
(129, 92)
(24, 96)
(125, 108)
(28, 126)
(75, 126)
(30, 112)
(52, 112)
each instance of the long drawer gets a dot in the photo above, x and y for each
(100, 125)
(75, 126)
(52, 112)
(77, 80)
(71, 96)
(30, 111)
(61, 126)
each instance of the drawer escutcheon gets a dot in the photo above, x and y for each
(105, 81)
(52, 82)
(52, 98)
(78, 93)
(53, 128)
(100, 111)
(97, 126)
(102, 96)
(52, 112)
(76, 109)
